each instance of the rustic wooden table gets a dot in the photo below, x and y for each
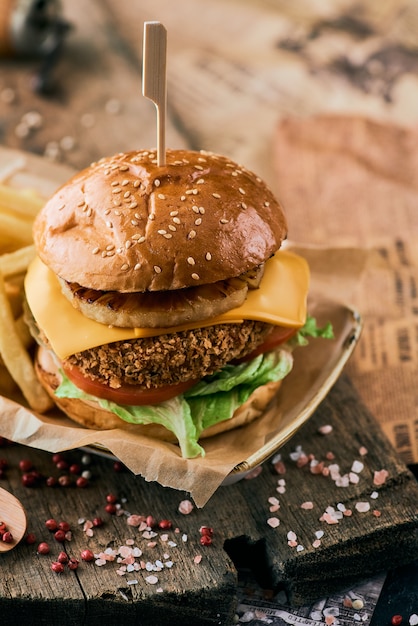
(93, 107)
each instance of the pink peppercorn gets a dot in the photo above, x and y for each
(97, 521)
(51, 481)
(43, 548)
(164, 524)
(72, 563)
(87, 555)
(110, 508)
(59, 535)
(206, 540)
(206, 530)
(51, 524)
(65, 481)
(7, 537)
(81, 482)
(75, 468)
(396, 620)
(63, 558)
(111, 498)
(150, 521)
(30, 538)
(64, 526)
(57, 567)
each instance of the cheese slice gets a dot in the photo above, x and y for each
(280, 300)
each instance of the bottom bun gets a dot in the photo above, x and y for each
(91, 415)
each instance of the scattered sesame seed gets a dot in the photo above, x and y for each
(124, 267)
(242, 191)
(162, 232)
(134, 222)
(208, 256)
(128, 244)
(267, 204)
(157, 182)
(126, 194)
(107, 212)
(195, 209)
(125, 182)
(137, 183)
(174, 213)
(172, 228)
(216, 195)
(182, 198)
(124, 168)
(168, 235)
(195, 276)
(176, 220)
(192, 234)
(198, 167)
(273, 522)
(109, 224)
(198, 221)
(96, 250)
(137, 266)
(191, 260)
(224, 220)
(61, 207)
(201, 181)
(116, 190)
(110, 246)
(157, 269)
(243, 205)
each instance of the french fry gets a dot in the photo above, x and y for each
(17, 359)
(24, 203)
(15, 231)
(13, 263)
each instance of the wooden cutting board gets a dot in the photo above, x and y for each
(198, 584)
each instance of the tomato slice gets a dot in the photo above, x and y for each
(278, 335)
(126, 394)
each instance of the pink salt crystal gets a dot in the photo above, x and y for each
(329, 519)
(291, 535)
(377, 513)
(185, 507)
(197, 559)
(302, 461)
(274, 522)
(325, 471)
(316, 543)
(134, 520)
(347, 602)
(379, 477)
(292, 543)
(254, 473)
(347, 513)
(325, 430)
(317, 468)
(307, 505)
(363, 451)
(125, 551)
(362, 507)
(330, 456)
(329, 620)
(279, 467)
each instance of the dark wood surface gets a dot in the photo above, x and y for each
(205, 593)
(96, 86)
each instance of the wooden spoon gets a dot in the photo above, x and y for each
(13, 515)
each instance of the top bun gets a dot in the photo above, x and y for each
(126, 224)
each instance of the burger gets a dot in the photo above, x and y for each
(161, 298)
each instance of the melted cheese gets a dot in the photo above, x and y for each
(280, 300)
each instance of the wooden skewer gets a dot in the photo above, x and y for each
(154, 62)
(13, 515)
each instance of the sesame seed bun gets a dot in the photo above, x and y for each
(126, 224)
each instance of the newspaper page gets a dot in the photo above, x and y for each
(345, 609)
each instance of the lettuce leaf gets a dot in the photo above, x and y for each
(310, 329)
(212, 400)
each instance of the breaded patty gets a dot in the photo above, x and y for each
(171, 358)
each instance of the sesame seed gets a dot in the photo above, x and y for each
(243, 205)
(126, 194)
(60, 208)
(110, 246)
(137, 183)
(234, 174)
(182, 198)
(116, 190)
(192, 234)
(172, 228)
(114, 183)
(117, 202)
(137, 266)
(198, 221)
(124, 168)
(191, 260)
(201, 181)
(242, 191)
(195, 209)
(167, 235)
(81, 203)
(198, 167)
(176, 220)
(103, 254)
(107, 212)
(110, 253)
(208, 256)
(117, 212)
(124, 267)
(174, 213)
(128, 244)
(216, 195)
(162, 232)
(89, 212)
(202, 210)
(267, 204)
(109, 224)
(157, 182)
(125, 182)
(195, 276)
(157, 269)
(161, 196)
(133, 205)
(151, 217)
(134, 222)
(224, 221)
(95, 250)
